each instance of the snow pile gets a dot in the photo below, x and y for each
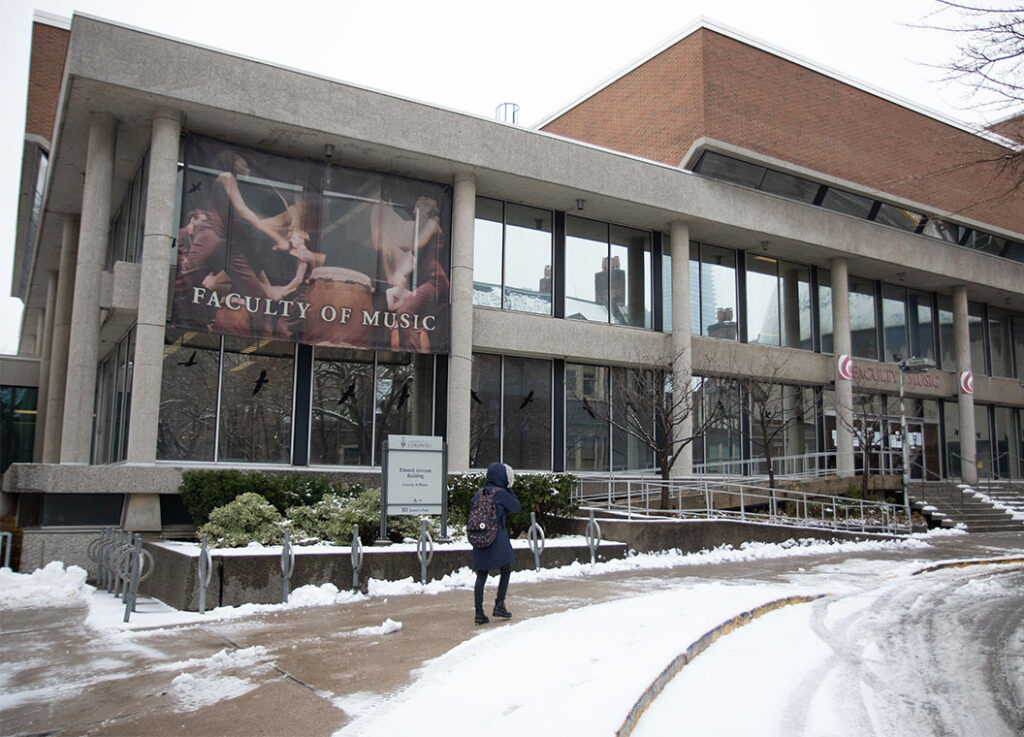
(386, 628)
(52, 585)
(1015, 512)
(207, 683)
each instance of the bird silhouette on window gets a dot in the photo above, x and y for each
(475, 397)
(526, 400)
(404, 395)
(260, 382)
(348, 393)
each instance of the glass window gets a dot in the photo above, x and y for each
(919, 313)
(863, 337)
(825, 310)
(188, 396)
(82, 509)
(723, 438)
(586, 268)
(341, 427)
(403, 395)
(789, 186)
(666, 291)
(943, 230)
(718, 292)
(984, 440)
(897, 217)
(847, 202)
(730, 169)
(17, 424)
(1000, 350)
(586, 406)
(795, 303)
(1018, 345)
(113, 397)
(487, 248)
(485, 411)
(526, 413)
(528, 241)
(1007, 443)
(762, 300)
(256, 401)
(976, 331)
(633, 407)
(629, 276)
(696, 295)
(894, 322)
(985, 242)
(947, 336)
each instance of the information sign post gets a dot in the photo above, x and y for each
(415, 476)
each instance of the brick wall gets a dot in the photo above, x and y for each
(46, 66)
(712, 85)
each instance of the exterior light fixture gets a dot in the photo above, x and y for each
(328, 150)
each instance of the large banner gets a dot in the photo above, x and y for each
(285, 249)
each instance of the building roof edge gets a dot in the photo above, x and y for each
(703, 22)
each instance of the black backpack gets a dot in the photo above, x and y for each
(482, 527)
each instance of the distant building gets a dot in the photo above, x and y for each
(229, 264)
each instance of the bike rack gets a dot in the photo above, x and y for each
(593, 537)
(536, 537)
(424, 551)
(357, 557)
(205, 569)
(6, 541)
(287, 564)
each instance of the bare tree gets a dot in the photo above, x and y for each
(647, 404)
(868, 423)
(775, 410)
(990, 63)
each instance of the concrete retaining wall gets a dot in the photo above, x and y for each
(240, 579)
(691, 536)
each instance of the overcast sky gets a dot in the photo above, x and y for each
(471, 55)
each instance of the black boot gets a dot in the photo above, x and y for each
(481, 618)
(501, 611)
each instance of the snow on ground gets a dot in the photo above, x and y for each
(505, 678)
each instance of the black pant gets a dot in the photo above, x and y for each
(481, 578)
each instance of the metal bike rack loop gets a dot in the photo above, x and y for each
(287, 564)
(424, 551)
(536, 537)
(593, 537)
(357, 557)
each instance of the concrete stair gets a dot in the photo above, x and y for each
(989, 508)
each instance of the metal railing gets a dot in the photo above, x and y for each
(704, 497)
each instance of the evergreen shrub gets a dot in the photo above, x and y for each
(547, 494)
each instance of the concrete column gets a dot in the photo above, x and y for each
(965, 402)
(460, 365)
(158, 235)
(682, 357)
(83, 341)
(843, 346)
(58, 369)
(44, 367)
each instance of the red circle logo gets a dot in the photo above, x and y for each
(966, 382)
(844, 366)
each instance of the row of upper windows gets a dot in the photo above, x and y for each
(744, 173)
(620, 275)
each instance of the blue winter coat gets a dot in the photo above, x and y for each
(499, 552)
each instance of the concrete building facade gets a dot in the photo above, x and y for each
(752, 225)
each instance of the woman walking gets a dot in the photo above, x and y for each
(497, 556)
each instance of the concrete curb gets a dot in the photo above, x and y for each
(965, 563)
(695, 649)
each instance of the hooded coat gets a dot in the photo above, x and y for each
(499, 552)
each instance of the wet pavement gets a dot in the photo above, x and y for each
(294, 671)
